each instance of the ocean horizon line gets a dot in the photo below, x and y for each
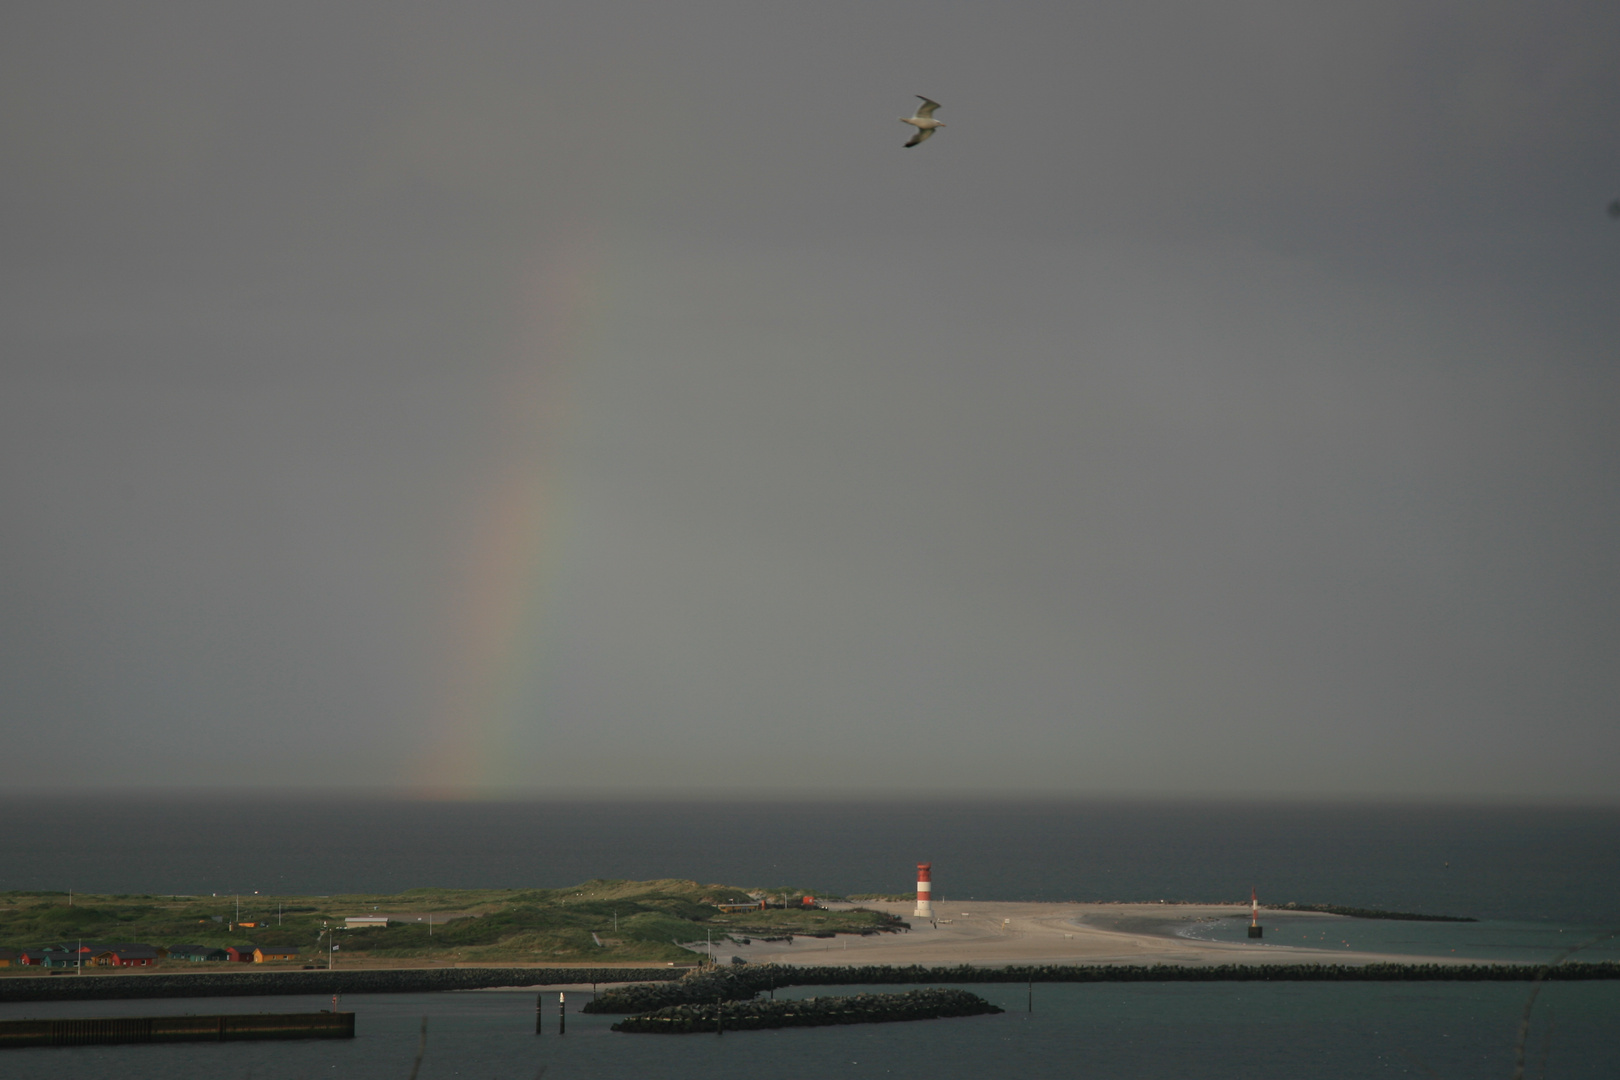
(709, 795)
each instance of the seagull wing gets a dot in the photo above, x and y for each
(925, 111)
(922, 134)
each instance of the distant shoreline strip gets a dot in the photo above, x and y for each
(435, 980)
(1364, 913)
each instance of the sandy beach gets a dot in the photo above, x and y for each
(976, 933)
(992, 934)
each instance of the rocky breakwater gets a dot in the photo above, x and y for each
(704, 986)
(809, 1012)
(321, 983)
(1569, 971)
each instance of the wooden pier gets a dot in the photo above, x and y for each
(231, 1027)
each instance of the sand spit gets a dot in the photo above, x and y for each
(974, 933)
(995, 934)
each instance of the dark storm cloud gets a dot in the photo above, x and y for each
(1223, 401)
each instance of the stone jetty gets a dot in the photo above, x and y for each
(808, 1012)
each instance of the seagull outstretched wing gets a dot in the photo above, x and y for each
(924, 121)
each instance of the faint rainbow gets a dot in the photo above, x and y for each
(511, 553)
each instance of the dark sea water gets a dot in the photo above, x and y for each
(1538, 879)
(1171, 1031)
(1500, 863)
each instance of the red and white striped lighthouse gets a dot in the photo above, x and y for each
(925, 892)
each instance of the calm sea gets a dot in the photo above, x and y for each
(1539, 879)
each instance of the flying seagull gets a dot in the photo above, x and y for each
(924, 121)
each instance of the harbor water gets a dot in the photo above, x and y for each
(1537, 879)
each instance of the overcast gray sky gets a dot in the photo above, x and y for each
(565, 397)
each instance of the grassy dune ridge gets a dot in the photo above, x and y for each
(632, 921)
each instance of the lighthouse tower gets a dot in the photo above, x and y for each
(1255, 929)
(925, 892)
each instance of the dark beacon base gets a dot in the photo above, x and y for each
(102, 1031)
(1256, 931)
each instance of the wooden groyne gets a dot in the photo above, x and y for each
(106, 1030)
